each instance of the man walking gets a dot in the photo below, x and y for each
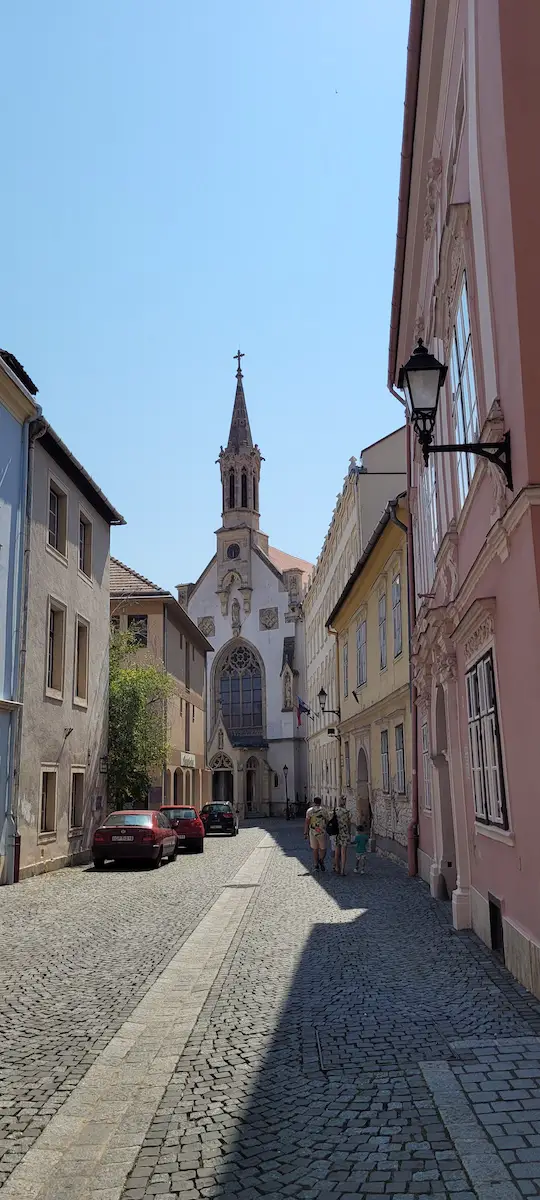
(315, 829)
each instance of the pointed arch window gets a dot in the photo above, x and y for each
(232, 489)
(244, 500)
(239, 686)
(255, 496)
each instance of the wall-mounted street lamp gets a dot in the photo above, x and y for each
(285, 775)
(421, 379)
(322, 703)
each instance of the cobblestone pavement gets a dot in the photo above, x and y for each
(349, 1045)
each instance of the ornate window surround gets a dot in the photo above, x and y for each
(234, 644)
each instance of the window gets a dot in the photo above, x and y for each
(346, 669)
(85, 546)
(187, 680)
(426, 764)
(81, 660)
(464, 399)
(47, 817)
(396, 614)
(361, 654)
(485, 744)
(233, 551)
(138, 627)
(385, 761)
(55, 647)
(255, 497)
(240, 691)
(187, 726)
(232, 489)
(430, 519)
(347, 765)
(76, 811)
(57, 535)
(382, 632)
(244, 490)
(115, 624)
(400, 760)
(192, 713)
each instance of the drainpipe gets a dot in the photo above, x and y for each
(36, 429)
(412, 833)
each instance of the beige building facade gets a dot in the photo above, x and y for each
(365, 493)
(61, 785)
(167, 635)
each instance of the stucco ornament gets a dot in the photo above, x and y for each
(221, 762)
(493, 431)
(434, 178)
(419, 327)
(268, 618)
(482, 634)
(207, 626)
(451, 266)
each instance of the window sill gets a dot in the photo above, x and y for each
(428, 812)
(57, 554)
(497, 835)
(87, 578)
(78, 702)
(398, 655)
(46, 837)
(52, 694)
(76, 832)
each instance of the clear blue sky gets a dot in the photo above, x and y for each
(181, 177)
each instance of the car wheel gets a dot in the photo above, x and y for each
(99, 864)
(174, 853)
(156, 862)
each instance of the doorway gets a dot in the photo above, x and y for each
(363, 814)
(252, 789)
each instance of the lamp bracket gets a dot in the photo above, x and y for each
(495, 452)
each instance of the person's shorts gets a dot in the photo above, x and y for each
(317, 841)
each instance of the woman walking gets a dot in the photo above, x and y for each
(343, 835)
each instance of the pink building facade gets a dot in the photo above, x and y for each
(466, 281)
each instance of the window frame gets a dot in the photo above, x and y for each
(84, 520)
(383, 636)
(401, 778)
(361, 653)
(75, 829)
(132, 619)
(55, 486)
(59, 608)
(478, 743)
(345, 659)
(48, 835)
(465, 408)
(397, 608)
(385, 762)
(78, 700)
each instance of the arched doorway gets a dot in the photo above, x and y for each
(187, 788)
(363, 812)
(448, 870)
(252, 785)
(222, 778)
(197, 790)
(167, 786)
(179, 786)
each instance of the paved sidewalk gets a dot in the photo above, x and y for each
(335, 1039)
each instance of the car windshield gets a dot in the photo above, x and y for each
(129, 818)
(179, 814)
(217, 808)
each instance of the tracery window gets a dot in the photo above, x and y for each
(240, 690)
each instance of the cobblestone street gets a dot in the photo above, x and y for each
(234, 1026)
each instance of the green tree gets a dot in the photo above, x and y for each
(138, 694)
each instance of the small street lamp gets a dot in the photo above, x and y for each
(322, 703)
(421, 379)
(285, 774)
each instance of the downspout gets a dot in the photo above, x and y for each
(36, 429)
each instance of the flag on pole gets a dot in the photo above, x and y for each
(302, 708)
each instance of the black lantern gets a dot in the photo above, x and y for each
(422, 379)
(322, 704)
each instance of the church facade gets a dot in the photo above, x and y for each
(248, 603)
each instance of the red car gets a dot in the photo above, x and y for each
(187, 825)
(134, 834)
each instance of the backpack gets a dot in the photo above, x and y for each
(333, 826)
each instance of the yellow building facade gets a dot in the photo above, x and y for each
(370, 624)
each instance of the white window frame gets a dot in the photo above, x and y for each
(74, 828)
(48, 834)
(57, 606)
(383, 648)
(346, 668)
(464, 393)
(399, 738)
(397, 614)
(85, 520)
(361, 654)
(385, 762)
(485, 750)
(427, 768)
(53, 484)
(81, 701)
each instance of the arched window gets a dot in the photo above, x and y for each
(255, 497)
(244, 490)
(240, 691)
(232, 489)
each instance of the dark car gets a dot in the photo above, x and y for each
(220, 817)
(134, 834)
(187, 825)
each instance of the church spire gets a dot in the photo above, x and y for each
(240, 432)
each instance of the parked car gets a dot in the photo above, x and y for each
(187, 825)
(134, 834)
(220, 817)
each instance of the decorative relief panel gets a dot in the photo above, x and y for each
(268, 618)
(482, 635)
(434, 177)
(451, 264)
(207, 626)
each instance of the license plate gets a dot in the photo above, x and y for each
(181, 837)
(122, 837)
(215, 827)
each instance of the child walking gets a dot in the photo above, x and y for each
(360, 845)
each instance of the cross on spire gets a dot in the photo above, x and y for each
(239, 355)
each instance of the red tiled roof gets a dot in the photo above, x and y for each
(288, 562)
(126, 582)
